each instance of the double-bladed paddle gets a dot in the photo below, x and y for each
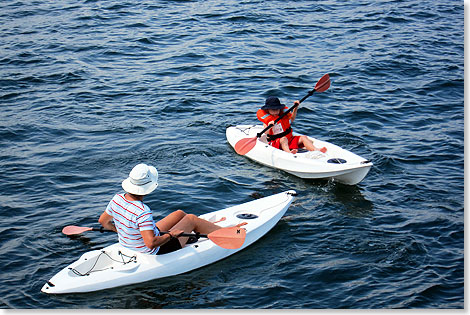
(229, 237)
(245, 145)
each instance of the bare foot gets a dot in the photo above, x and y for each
(294, 151)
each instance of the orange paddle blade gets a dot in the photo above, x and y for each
(323, 84)
(73, 230)
(245, 145)
(230, 237)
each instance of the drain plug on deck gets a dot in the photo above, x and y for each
(247, 216)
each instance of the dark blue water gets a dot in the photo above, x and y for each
(90, 88)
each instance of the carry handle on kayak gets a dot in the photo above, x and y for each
(245, 145)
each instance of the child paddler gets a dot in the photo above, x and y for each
(280, 135)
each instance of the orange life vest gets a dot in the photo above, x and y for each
(281, 128)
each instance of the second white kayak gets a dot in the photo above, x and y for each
(337, 164)
(116, 265)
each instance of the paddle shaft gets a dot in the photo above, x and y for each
(101, 229)
(189, 234)
(285, 113)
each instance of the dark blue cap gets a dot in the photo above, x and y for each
(273, 103)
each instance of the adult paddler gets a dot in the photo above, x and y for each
(127, 215)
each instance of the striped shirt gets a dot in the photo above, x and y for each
(131, 217)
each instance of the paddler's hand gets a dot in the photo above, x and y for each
(176, 233)
(296, 104)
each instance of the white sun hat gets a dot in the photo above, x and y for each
(142, 180)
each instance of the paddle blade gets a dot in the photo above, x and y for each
(74, 230)
(323, 84)
(230, 237)
(245, 145)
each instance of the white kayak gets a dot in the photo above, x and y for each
(116, 265)
(337, 164)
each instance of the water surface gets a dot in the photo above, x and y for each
(90, 88)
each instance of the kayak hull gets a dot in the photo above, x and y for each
(115, 265)
(336, 164)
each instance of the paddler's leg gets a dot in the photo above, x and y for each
(190, 223)
(308, 144)
(294, 144)
(170, 220)
(284, 144)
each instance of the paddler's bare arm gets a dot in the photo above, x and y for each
(107, 222)
(294, 111)
(152, 241)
